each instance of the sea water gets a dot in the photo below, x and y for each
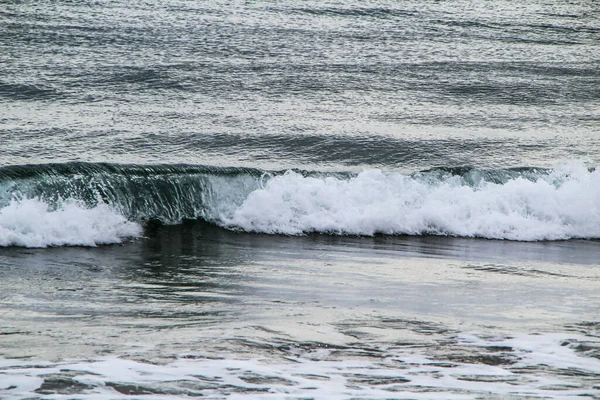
(299, 199)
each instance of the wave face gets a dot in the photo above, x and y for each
(91, 204)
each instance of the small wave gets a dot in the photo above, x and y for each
(30, 91)
(374, 12)
(91, 204)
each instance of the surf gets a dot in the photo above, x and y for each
(93, 203)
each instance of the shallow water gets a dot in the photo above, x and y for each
(197, 310)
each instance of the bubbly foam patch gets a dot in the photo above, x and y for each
(562, 205)
(541, 366)
(32, 223)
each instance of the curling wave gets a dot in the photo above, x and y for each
(92, 204)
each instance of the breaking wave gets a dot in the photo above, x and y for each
(91, 204)
(31, 223)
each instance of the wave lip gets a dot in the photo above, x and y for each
(86, 204)
(33, 223)
(563, 204)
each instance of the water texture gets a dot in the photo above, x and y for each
(299, 199)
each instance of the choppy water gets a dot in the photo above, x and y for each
(299, 199)
(289, 84)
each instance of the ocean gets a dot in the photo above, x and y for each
(299, 199)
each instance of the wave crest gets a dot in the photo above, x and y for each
(563, 204)
(91, 204)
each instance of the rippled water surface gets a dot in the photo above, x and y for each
(288, 84)
(299, 199)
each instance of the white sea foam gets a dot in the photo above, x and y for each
(562, 205)
(399, 373)
(32, 223)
